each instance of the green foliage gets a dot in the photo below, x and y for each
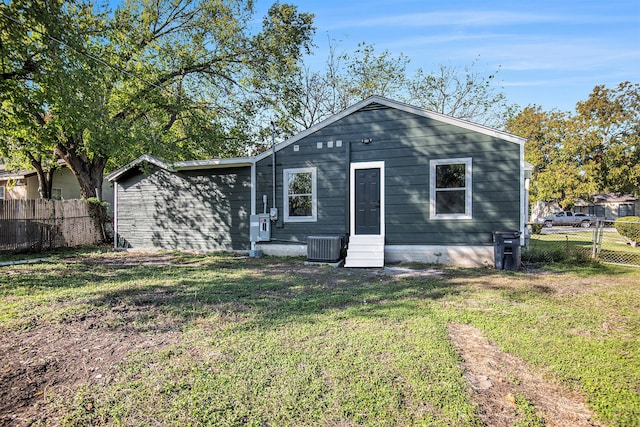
(527, 412)
(98, 202)
(592, 151)
(179, 79)
(536, 228)
(629, 227)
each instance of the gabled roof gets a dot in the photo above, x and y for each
(399, 106)
(247, 161)
(177, 166)
(607, 198)
(19, 174)
(6, 174)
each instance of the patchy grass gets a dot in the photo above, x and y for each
(576, 246)
(180, 339)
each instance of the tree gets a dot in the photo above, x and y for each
(178, 79)
(579, 155)
(464, 93)
(545, 133)
(22, 123)
(606, 141)
(345, 80)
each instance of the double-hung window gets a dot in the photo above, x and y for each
(301, 197)
(450, 192)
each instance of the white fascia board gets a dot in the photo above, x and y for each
(17, 175)
(449, 120)
(186, 165)
(400, 106)
(214, 163)
(113, 176)
(326, 122)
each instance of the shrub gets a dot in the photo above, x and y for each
(629, 227)
(536, 228)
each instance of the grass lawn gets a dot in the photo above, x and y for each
(179, 339)
(577, 244)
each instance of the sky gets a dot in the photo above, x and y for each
(548, 53)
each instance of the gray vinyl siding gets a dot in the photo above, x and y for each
(189, 210)
(406, 143)
(332, 200)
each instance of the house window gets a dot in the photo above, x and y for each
(626, 210)
(1, 192)
(56, 194)
(450, 192)
(300, 198)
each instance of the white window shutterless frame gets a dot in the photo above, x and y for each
(300, 195)
(450, 188)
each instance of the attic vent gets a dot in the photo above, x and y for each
(324, 248)
(373, 107)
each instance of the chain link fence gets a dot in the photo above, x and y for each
(600, 242)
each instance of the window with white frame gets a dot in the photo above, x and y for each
(450, 192)
(300, 198)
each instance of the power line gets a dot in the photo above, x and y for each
(95, 58)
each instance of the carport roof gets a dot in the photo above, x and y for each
(177, 166)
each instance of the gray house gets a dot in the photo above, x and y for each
(384, 180)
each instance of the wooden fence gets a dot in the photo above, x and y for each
(37, 225)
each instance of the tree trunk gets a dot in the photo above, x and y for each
(88, 172)
(45, 178)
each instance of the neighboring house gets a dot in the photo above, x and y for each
(609, 206)
(24, 185)
(394, 181)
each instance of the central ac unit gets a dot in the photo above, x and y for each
(324, 248)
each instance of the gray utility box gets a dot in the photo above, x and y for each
(506, 250)
(260, 228)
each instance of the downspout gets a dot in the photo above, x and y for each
(115, 215)
(348, 188)
(273, 164)
(253, 202)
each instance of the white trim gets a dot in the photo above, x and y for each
(399, 106)
(314, 195)
(468, 200)
(186, 165)
(115, 215)
(253, 189)
(113, 176)
(352, 194)
(524, 197)
(213, 163)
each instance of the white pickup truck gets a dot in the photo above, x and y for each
(569, 218)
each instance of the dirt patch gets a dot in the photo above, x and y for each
(499, 379)
(54, 359)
